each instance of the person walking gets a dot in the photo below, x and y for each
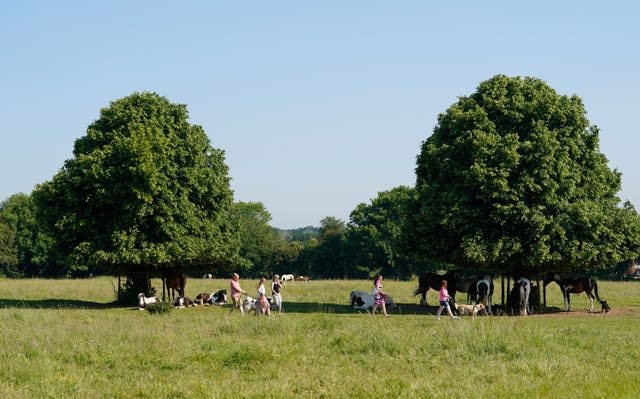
(236, 292)
(379, 296)
(275, 293)
(444, 301)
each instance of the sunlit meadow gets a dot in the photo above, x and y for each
(66, 339)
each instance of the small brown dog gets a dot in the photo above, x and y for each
(469, 310)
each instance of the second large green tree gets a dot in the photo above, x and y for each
(512, 179)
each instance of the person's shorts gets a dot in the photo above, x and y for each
(444, 303)
(237, 302)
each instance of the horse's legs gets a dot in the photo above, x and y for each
(591, 298)
(567, 305)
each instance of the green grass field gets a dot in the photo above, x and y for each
(65, 339)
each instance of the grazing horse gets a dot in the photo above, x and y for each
(574, 285)
(467, 284)
(434, 281)
(174, 281)
(482, 292)
(287, 277)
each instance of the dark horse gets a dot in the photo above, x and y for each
(574, 285)
(454, 279)
(434, 281)
(174, 281)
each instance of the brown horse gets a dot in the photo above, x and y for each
(632, 271)
(174, 281)
(574, 285)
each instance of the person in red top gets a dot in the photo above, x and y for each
(236, 292)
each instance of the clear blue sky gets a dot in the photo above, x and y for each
(318, 105)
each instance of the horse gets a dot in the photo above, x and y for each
(174, 281)
(434, 281)
(466, 284)
(574, 285)
(482, 292)
(632, 271)
(286, 277)
(524, 289)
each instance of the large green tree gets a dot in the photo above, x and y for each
(145, 190)
(512, 179)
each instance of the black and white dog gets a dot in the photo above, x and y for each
(218, 298)
(144, 300)
(182, 302)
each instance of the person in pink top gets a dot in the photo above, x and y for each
(444, 301)
(236, 292)
(379, 296)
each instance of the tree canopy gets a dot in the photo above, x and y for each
(374, 231)
(144, 190)
(24, 248)
(512, 179)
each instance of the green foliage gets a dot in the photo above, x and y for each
(25, 250)
(328, 258)
(145, 189)
(8, 251)
(159, 308)
(374, 233)
(259, 243)
(512, 179)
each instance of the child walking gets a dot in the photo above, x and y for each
(444, 301)
(379, 296)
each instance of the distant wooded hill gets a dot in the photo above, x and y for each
(299, 234)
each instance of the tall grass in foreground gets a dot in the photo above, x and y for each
(64, 339)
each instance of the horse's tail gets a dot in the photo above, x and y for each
(593, 283)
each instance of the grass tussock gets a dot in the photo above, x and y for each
(67, 339)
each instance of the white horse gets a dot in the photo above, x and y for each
(287, 277)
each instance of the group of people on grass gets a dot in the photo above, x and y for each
(262, 303)
(379, 296)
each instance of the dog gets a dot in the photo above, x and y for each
(218, 298)
(182, 302)
(469, 310)
(144, 300)
(605, 307)
(250, 304)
